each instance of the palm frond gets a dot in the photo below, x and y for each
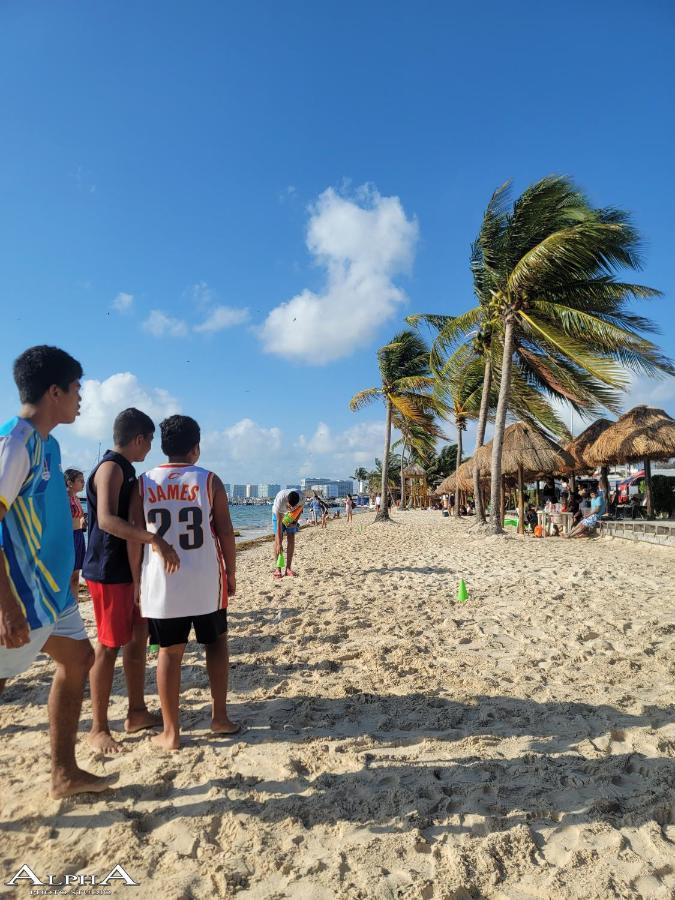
(364, 398)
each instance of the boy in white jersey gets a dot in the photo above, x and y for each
(187, 506)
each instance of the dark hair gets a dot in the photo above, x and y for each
(70, 475)
(294, 498)
(129, 424)
(38, 368)
(179, 435)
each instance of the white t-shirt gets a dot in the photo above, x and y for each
(378, 500)
(280, 505)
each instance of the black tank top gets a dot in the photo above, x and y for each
(106, 558)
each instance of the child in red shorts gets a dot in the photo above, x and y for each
(106, 569)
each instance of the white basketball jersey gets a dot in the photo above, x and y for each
(177, 502)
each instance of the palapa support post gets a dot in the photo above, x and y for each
(648, 489)
(521, 502)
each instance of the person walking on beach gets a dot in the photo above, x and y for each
(188, 505)
(108, 575)
(349, 507)
(74, 484)
(37, 609)
(323, 506)
(285, 502)
(378, 503)
(316, 510)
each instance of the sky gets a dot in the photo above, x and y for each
(224, 209)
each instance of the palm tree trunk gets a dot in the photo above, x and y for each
(500, 423)
(402, 478)
(383, 515)
(480, 437)
(458, 463)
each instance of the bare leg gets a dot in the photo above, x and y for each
(290, 550)
(100, 680)
(75, 584)
(133, 655)
(73, 660)
(217, 665)
(168, 684)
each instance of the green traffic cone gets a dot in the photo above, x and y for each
(462, 593)
(281, 562)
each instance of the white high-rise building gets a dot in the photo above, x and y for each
(268, 491)
(251, 491)
(238, 491)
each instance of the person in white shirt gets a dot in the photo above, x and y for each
(378, 503)
(287, 501)
(189, 505)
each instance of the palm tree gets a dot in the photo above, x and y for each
(440, 465)
(407, 386)
(551, 317)
(553, 262)
(419, 438)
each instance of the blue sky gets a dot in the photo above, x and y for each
(171, 174)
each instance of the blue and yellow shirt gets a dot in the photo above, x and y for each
(36, 531)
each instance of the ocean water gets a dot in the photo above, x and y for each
(252, 521)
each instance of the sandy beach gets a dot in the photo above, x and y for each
(396, 744)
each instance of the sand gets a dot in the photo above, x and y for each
(397, 744)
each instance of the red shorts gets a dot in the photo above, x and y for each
(115, 612)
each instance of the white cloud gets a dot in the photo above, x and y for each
(220, 318)
(659, 392)
(355, 446)
(201, 295)
(363, 243)
(250, 452)
(161, 325)
(103, 400)
(123, 302)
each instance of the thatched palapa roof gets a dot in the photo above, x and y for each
(643, 433)
(579, 447)
(526, 446)
(414, 470)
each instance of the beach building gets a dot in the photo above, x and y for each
(268, 491)
(251, 491)
(307, 484)
(294, 487)
(332, 489)
(238, 491)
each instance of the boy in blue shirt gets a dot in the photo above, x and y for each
(37, 609)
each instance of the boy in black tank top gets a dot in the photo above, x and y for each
(106, 569)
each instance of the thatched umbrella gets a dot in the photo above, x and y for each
(642, 434)
(578, 448)
(526, 451)
(464, 475)
(446, 486)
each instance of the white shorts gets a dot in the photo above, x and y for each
(15, 660)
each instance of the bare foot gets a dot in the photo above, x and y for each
(225, 726)
(137, 721)
(78, 782)
(167, 741)
(104, 742)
